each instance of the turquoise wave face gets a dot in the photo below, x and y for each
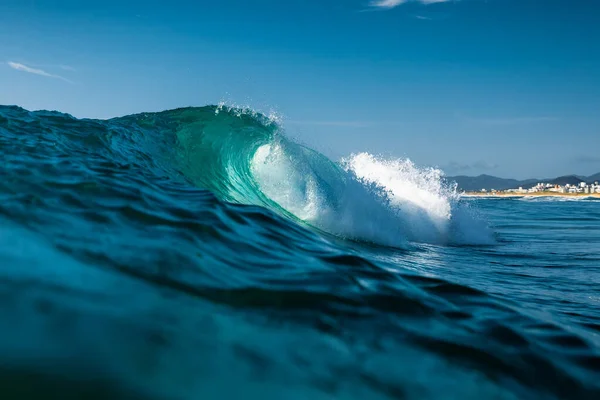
(215, 148)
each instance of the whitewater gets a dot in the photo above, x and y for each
(201, 252)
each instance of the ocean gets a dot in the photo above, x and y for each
(201, 253)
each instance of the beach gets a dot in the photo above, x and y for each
(535, 194)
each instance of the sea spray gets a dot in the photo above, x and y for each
(429, 208)
(416, 195)
(322, 194)
(387, 202)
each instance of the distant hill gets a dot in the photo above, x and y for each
(570, 179)
(594, 178)
(471, 183)
(476, 183)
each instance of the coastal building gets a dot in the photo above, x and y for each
(541, 188)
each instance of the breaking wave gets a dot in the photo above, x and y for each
(245, 157)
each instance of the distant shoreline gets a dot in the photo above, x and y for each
(535, 194)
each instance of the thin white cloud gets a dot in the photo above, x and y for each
(35, 71)
(388, 4)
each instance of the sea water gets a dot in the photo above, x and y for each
(200, 253)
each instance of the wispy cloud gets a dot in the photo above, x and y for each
(388, 4)
(35, 71)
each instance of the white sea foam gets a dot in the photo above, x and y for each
(429, 209)
(389, 202)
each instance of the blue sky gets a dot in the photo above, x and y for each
(505, 87)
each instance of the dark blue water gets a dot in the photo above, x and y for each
(146, 257)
